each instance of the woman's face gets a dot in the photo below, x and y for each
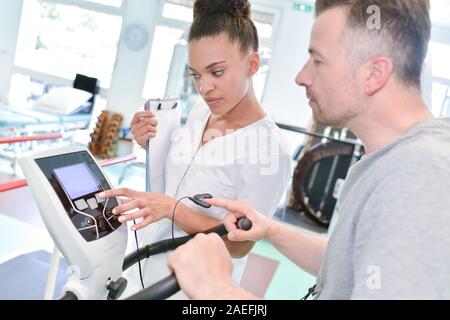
(221, 72)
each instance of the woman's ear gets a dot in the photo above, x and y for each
(379, 72)
(254, 63)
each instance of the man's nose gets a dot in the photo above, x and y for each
(304, 77)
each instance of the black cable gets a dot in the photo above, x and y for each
(173, 239)
(139, 255)
(137, 244)
(311, 292)
(169, 285)
(173, 217)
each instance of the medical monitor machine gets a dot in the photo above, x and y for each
(66, 183)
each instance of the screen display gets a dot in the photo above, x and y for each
(77, 180)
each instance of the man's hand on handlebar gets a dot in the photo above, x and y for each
(203, 267)
(240, 209)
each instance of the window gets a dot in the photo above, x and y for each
(165, 40)
(182, 10)
(62, 40)
(441, 79)
(169, 52)
(264, 24)
(440, 99)
(259, 80)
(178, 11)
(439, 54)
(113, 3)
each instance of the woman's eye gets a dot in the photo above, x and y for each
(195, 76)
(218, 73)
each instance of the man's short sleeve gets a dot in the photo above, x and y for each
(402, 237)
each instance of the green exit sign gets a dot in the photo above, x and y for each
(301, 6)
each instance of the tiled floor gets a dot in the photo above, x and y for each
(283, 280)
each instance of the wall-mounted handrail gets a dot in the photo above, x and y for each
(113, 161)
(105, 163)
(13, 185)
(40, 137)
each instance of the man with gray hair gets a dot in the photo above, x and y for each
(392, 239)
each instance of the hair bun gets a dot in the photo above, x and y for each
(233, 8)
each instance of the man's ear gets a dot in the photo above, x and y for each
(379, 71)
(254, 63)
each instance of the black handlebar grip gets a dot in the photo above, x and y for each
(169, 285)
(69, 296)
(159, 291)
(244, 224)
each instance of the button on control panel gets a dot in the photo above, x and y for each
(99, 200)
(92, 203)
(81, 204)
(93, 218)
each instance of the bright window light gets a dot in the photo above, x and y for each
(167, 37)
(440, 100)
(439, 55)
(64, 40)
(164, 42)
(177, 12)
(263, 22)
(264, 29)
(259, 80)
(112, 3)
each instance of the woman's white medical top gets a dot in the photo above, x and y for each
(250, 164)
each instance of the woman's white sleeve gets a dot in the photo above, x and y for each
(263, 185)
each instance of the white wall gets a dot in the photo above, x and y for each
(282, 96)
(9, 26)
(125, 94)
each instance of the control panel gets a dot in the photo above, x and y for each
(78, 182)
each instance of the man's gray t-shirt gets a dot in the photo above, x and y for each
(392, 239)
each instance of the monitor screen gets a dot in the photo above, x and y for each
(77, 180)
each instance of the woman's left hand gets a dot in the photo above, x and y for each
(150, 206)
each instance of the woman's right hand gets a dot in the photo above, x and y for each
(143, 127)
(239, 209)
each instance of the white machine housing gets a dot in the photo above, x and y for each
(91, 239)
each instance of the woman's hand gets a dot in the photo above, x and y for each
(237, 210)
(143, 127)
(148, 205)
